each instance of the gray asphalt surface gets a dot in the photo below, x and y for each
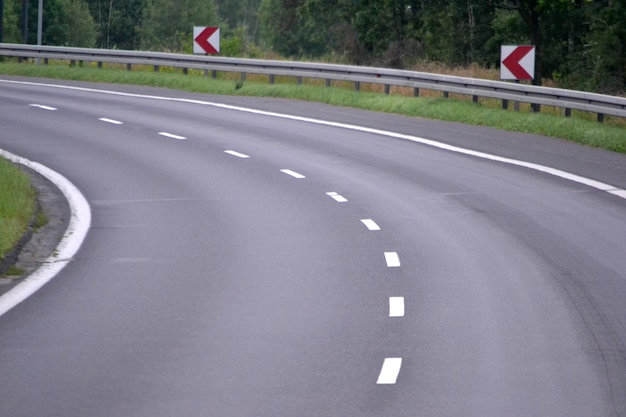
(214, 285)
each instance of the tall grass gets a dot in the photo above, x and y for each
(581, 127)
(17, 205)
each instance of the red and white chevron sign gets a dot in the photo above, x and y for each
(206, 40)
(517, 62)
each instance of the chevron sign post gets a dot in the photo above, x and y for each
(517, 62)
(206, 40)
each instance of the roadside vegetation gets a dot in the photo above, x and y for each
(580, 128)
(579, 44)
(17, 205)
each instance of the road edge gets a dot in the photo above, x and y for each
(70, 243)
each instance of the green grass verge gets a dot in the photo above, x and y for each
(581, 128)
(17, 205)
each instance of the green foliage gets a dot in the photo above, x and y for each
(17, 205)
(166, 24)
(117, 22)
(65, 23)
(11, 22)
(607, 136)
(242, 16)
(580, 44)
(76, 26)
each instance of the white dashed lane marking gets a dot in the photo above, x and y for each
(392, 259)
(337, 197)
(41, 106)
(292, 173)
(370, 224)
(390, 370)
(172, 136)
(396, 306)
(237, 154)
(113, 122)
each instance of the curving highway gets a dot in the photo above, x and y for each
(260, 258)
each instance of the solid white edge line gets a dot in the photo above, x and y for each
(370, 224)
(292, 173)
(440, 145)
(337, 197)
(392, 259)
(396, 306)
(113, 122)
(389, 371)
(79, 224)
(237, 154)
(172, 136)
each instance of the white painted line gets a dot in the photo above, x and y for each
(396, 306)
(337, 197)
(370, 224)
(172, 136)
(237, 154)
(113, 122)
(619, 192)
(393, 260)
(390, 370)
(79, 223)
(41, 106)
(292, 173)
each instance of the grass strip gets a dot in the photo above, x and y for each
(17, 205)
(580, 128)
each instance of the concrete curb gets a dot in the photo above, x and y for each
(78, 226)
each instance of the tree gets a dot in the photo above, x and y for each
(118, 22)
(76, 24)
(536, 14)
(168, 25)
(241, 15)
(281, 26)
(11, 21)
(65, 23)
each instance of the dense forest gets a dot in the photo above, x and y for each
(580, 43)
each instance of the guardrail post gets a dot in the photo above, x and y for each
(298, 80)
(569, 101)
(214, 74)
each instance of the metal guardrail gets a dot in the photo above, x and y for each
(535, 95)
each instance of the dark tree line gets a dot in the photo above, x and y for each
(579, 43)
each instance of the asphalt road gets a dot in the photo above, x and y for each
(234, 266)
